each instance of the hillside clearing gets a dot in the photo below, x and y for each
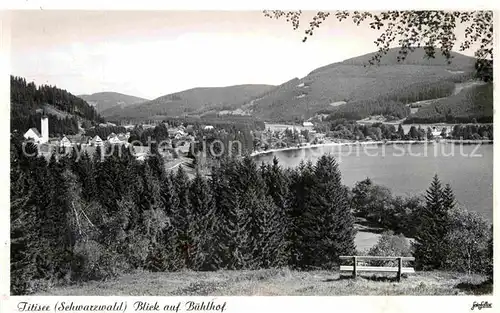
(277, 282)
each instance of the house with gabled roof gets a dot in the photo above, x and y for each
(96, 141)
(33, 134)
(65, 142)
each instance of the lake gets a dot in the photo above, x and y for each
(408, 169)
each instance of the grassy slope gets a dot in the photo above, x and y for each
(276, 282)
(56, 112)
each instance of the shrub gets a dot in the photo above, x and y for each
(468, 243)
(377, 204)
(390, 245)
(371, 200)
(489, 255)
(93, 261)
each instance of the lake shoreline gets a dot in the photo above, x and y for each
(377, 143)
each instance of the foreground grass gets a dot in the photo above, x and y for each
(277, 282)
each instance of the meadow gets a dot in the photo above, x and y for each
(277, 282)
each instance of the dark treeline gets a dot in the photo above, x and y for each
(96, 218)
(26, 98)
(473, 132)
(224, 142)
(158, 133)
(393, 105)
(57, 126)
(345, 129)
(472, 104)
(225, 121)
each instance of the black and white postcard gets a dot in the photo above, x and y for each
(196, 155)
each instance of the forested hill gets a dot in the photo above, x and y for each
(354, 89)
(105, 100)
(458, 62)
(417, 57)
(26, 98)
(192, 101)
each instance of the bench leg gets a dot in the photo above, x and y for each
(354, 269)
(400, 268)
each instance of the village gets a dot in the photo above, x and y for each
(180, 138)
(175, 147)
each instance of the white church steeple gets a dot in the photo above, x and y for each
(45, 129)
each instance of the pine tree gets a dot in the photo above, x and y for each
(448, 198)
(413, 133)
(433, 226)
(25, 244)
(201, 226)
(98, 155)
(156, 163)
(153, 220)
(55, 227)
(84, 169)
(231, 230)
(181, 220)
(260, 217)
(269, 240)
(334, 235)
(276, 182)
(277, 188)
(128, 236)
(302, 184)
(401, 132)
(169, 255)
(168, 195)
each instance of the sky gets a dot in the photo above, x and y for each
(152, 53)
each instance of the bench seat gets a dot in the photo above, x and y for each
(348, 268)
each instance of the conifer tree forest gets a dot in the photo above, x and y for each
(27, 100)
(96, 217)
(93, 217)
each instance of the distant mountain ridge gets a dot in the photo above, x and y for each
(105, 100)
(349, 86)
(191, 101)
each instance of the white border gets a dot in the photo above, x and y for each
(257, 5)
(235, 304)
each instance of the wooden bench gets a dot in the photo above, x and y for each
(355, 268)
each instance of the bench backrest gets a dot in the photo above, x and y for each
(379, 258)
